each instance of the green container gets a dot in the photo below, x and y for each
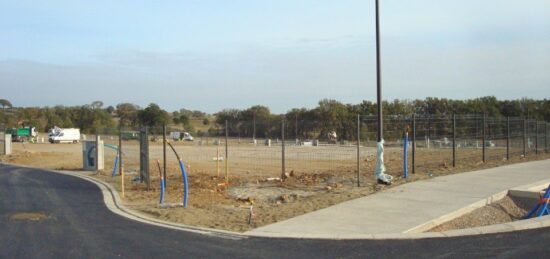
(26, 132)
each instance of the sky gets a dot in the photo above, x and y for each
(209, 54)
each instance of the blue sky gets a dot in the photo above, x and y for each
(210, 55)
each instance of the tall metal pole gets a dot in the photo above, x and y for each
(358, 149)
(454, 140)
(507, 138)
(378, 76)
(413, 165)
(164, 153)
(283, 169)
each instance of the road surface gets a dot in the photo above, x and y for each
(79, 225)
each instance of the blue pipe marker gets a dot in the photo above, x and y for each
(184, 176)
(162, 190)
(115, 148)
(405, 145)
(542, 205)
(185, 183)
(116, 165)
(111, 147)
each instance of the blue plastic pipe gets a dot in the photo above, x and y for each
(115, 148)
(405, 164)
(162, 190)
(111, 147)
(185, 183)
(544, 209)
(116, 165)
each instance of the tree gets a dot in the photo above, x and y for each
(187, 123)
(5, 103)
(205, 121)
(110, 109)
(96, 105)
(153, 116)
(334, 116)
(257, 117)
(127, 113)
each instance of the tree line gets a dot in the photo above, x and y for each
(332, 115)
(258, 121)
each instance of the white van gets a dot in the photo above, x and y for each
(58, 135)
(176, 135)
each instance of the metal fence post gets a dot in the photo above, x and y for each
(484, 137)
(254, 128)
(120, 150)
(545, 137)
(524, 137)
(296, 127)
(454, 140)
(507, 138)
(120, 165)
(97, 150)
(226, 153)
(413, 165)
(536, 137)
(358, 149)
(283, 169)
(144, 173)
(164, 153)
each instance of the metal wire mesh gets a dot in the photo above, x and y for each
(267, 148)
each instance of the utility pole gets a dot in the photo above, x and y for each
(378, 77)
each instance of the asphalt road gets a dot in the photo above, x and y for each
(80, 226)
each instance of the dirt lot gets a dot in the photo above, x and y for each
(319, 177)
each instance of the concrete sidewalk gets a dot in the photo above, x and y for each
(412, 207)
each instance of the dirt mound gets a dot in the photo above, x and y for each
(505, 210)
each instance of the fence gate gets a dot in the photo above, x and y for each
(144, 157)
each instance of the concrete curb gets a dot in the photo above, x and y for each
(113, 203)
(476, 205)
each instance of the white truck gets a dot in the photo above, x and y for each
(59, 135)
(176, 135)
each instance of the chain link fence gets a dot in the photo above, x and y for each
(271, 148)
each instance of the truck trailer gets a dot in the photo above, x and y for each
(23, 134)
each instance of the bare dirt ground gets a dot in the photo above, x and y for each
(318, 177)
(505, 210)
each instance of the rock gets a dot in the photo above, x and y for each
(247, 199)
